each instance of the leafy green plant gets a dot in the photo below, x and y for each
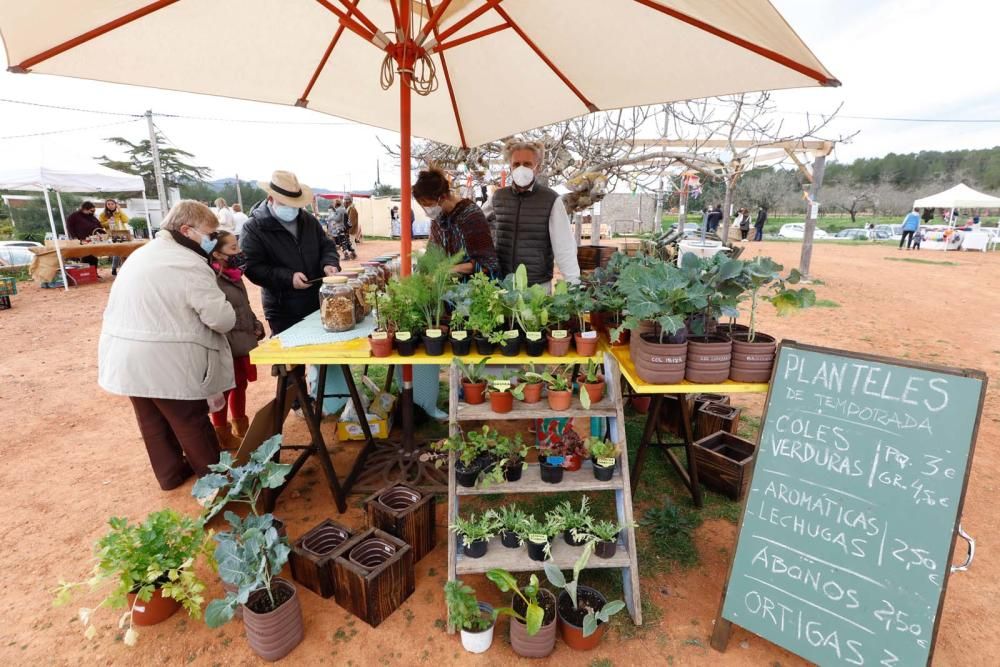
(723, 282)
(534, 614)
(509, 518)
(457, 296)
(463, 608)
(532, 525)
(511, 448)
(557, 378)
(592, 372)
(659, 293)
(592, 618)
(564, 517)
(671, 532)
(158, 553)
(467, 450)
(599, 448)
(562, 308)
(483, 308)
(505, 383)
(763, 272)
(602, 530)
(527, 306)
(580, 301)
(473, 373)
(433, 275)
(241, 484)
(475, 528)
(568, 444)
(381, 307)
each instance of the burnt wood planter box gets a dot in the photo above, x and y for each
(713, 417)
(404, 513)
(374, 575)
(671, 419)
(724, 462)
(312, 556)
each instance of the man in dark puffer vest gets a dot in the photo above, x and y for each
(529, 221)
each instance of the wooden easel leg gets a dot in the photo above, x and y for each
(647, 436)
(359, 463)
(313, 415)
(689, 448)
(720, 635)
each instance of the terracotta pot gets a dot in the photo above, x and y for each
(272, 635)
(542, 642)
(573, 634)
(585, 347)
(381, 347)
(475, 394)
(641, 403)
(752, 362)
(572, 462)
(532, 392)
(157, 610)
(558, 347)
(658, 363)
(501, 401)
(708, 359)
(623, 337)
(595, 390)
(560, 400)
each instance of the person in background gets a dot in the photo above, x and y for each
(353, 223)
(911, 223)
(918, 236)
(287, 251)
(871, 231)
(529, 221)
(927, 216)
(225, 216)
(113, 219)
(239, 219)
(337, 230)
(82, 224)
(457, 224)
(758, 225)
(227, 262)
(743, 222)
(395, 229)
(163, 343)
(714, 218)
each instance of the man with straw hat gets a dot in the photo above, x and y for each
(287, 251)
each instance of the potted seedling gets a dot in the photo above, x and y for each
(532, 384)
(592, 379)
(485, 312)
(571, 448)
(538, 535)
(569, 520)
(149, 567)
(609, 302)
(502, 392)
(551, 462)
(468, 464)
(382, 338)
(475, 620)
(458, 334)
(561, 314)
(528, 308)
(558, 381)
(402, 300)
(532, 612)
(474, 378)
(512, 453)
(604, 534)
(432, 277)
(583, 611)
(510, 519)
(710, 354)
(586, 339)
(476, 533)
(603, 455)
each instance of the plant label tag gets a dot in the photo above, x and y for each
(560, 333)
(403, 336)
(459, 335)
(605, 462)
(379, 335)
(513, 333)
(433, 333)
(537, 539)
(533, 335)
(501, 385)
(589, 334)
(555, 460)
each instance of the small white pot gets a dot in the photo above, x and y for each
(479, 642)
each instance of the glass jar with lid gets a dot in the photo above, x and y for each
(372, 268)
(336, 304)
(358, 288)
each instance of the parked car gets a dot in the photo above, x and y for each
(797, 230)
(21, 244)
(855, 233)
(894, 232)
(12, 255)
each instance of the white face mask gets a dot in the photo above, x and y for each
(432, 211)
(523, 176)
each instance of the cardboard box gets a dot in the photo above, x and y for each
(379, 415)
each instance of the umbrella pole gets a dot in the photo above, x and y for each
(405, 196)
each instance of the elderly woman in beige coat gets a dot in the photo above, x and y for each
(163, 343)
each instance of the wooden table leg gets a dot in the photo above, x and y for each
(689, 448)
(314, 416)
(647, 436)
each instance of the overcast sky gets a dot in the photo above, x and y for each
(899, 58)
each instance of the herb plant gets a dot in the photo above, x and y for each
(556, 578)
(473, 373)
(527, 306)
(463, 608)
(534, 614)
(599, 448)
(564, 517)
(475, 528)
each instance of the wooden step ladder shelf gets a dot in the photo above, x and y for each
(517, 560)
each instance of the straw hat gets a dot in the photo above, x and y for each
(284, 186)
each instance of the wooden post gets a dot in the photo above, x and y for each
(726, 206)
(819, 167)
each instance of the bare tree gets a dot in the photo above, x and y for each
(851, 199)
(771, 188)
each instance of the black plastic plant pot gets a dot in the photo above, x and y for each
(512, 471)
(535, 348)
(467, 476)
(510, 347)
(460, 348)
(568, 536)
(434, 346)
(552, 474)
(509, 539)
(406, 348)
(475, 550)
(603, 473)
(536, 551)
(483, 345)
(606, 549)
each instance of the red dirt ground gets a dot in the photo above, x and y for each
(73, 457)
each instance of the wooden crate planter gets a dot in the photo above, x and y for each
(313, 554)
(671, 419)
(724, 462)
(407, 514)
(713, 417)
(702, 399)
(374, 575)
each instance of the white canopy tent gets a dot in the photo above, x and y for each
(960, 196)
(45, 180)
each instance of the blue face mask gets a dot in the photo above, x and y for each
(285, 213)
(207, 244)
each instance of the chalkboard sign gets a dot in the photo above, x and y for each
(847, 533)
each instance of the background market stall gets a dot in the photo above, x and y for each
(952, 199)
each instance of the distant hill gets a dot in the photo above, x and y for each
(979, 169)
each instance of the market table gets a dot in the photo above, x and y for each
(380, 462)
(682, 391)
(45, 263)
